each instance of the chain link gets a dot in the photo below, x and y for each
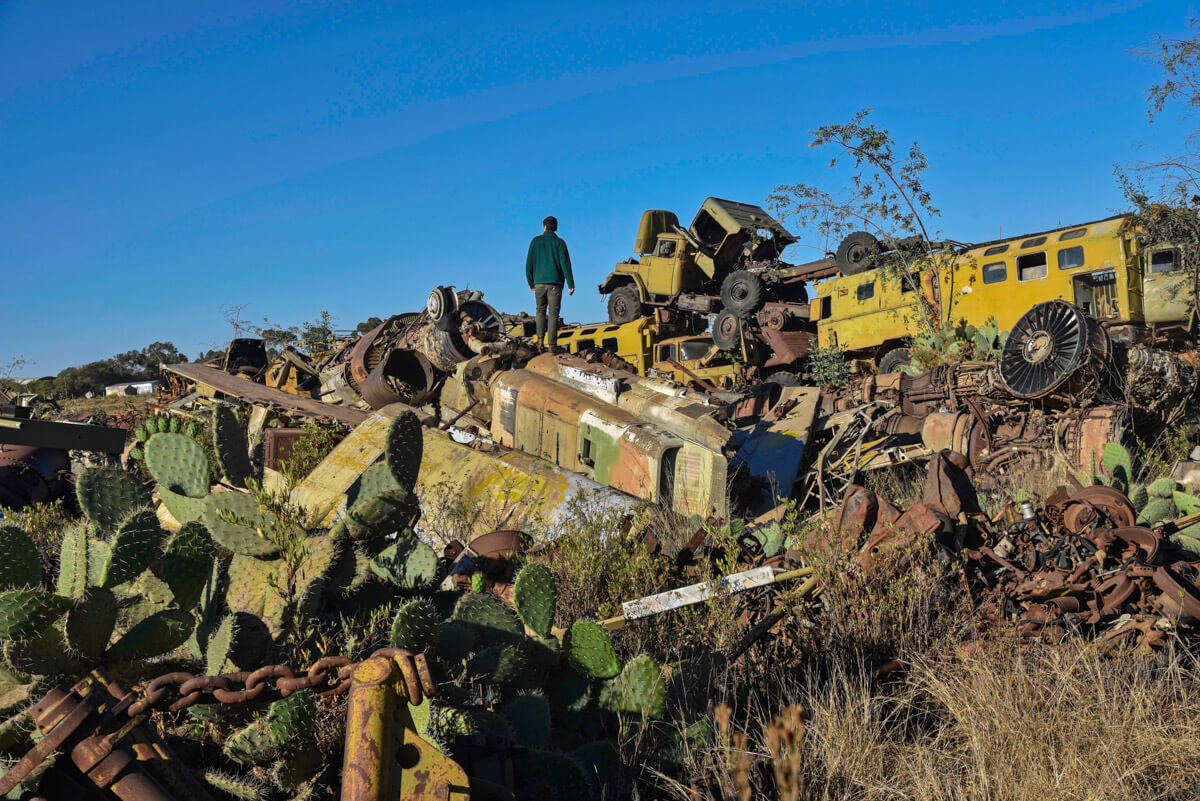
(328, 676)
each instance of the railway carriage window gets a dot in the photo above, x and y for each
(826, 307)
(1164, 261)
(1031, 266)
(609, 344)
(1033, 243)
(994, 249)
(1070, 258)
(866, 291)
(995, 272)
(1078, 232)
(910, 283)
(584, 344)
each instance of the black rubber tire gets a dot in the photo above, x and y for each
(893, 359)
(727, 331)
(624, 305)
(783, 378)
(854, 251)
(743, 293)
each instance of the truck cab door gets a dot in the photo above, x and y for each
(1167, 286)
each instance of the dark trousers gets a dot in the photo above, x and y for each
(549, 298)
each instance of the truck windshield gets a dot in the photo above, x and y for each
(693, 350)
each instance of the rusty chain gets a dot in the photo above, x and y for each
(328, 676)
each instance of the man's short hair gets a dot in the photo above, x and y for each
(550, 223)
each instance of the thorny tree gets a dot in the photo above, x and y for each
(887, 197)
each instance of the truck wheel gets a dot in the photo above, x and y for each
(854, 250)
(893, 360)
(783, 378)
(624, 305)
(727, 331)
(743, 292)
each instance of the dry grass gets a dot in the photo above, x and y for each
(999, 725)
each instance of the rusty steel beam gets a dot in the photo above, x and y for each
(219, 382)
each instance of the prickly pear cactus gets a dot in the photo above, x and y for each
(158, 634)
(407, 563)
(137, 543)
(23, 613)
(239, 643)
(535, 595)
(403, 449)
(497, 664)
(1155, 511)
(224, 513)
(229, 442)
(1139, 496)
(178, 464)
(108, 495)
(589, 650)
(374, 481)
(1162, 488)
(73, 563)
(381, 515)
(1116, 462)
(289, 718)
(187, 563)
(415, 626)
(493, 621)
(20, 565)
(639, 688)
(1185, 503)
(90, 623)
(556, 769)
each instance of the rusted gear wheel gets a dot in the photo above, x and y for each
(1103, 506)
(727, 331)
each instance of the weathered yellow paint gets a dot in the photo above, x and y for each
(502, 483)
(872, 311)
(385, 759)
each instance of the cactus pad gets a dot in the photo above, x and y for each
(589, 650)
(187, 562)
(90, 623)
(570, 697)
(178, 464)
(374, 480)
(320, 559)
(408, 563)
(1185, 503)
(137, 543)
(639, 689)
(415, 626)
(108, 495)
(1162, 488)
(535, 595)
(24, 613)
(1139, 496)
(498, 664)
(403, 449)
(184, 509)
(454, 643)
(1116, 462)
(229, 442)
(494, 622)
(233, 536)
(1155, 511)
(251, 745)
(530, 718)
(158, 634)
(20, 565)
(43, 654)
(239, 643)
(246, 787)
(380, 515)
(249, 584)
(290, 717)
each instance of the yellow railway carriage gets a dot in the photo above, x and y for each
(1098, 266)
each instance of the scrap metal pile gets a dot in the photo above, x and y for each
(1087, 563)
(1063, 387)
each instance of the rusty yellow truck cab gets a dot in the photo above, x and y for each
(1097, 266)
(696, 360)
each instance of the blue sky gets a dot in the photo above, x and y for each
(161, 160)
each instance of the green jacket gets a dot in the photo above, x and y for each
(548, 261)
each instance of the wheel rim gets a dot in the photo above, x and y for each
(727, 328)
(1044, 349)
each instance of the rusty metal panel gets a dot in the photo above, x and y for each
(213, 382)
(278, 444)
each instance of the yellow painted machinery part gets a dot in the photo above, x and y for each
(386, 760)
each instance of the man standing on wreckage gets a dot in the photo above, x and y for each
(547, 266)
